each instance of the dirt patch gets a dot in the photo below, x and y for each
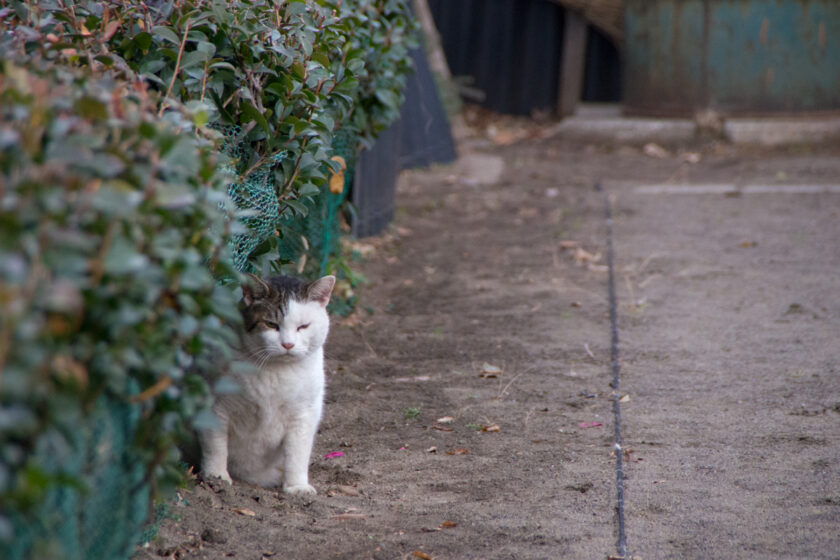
(470, 396)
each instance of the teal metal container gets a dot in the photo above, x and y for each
(739, 57)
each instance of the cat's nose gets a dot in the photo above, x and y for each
(288, 345)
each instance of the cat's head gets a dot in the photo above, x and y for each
(284, 317)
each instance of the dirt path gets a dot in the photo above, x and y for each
(471, 397)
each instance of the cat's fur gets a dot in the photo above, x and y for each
(268, 427)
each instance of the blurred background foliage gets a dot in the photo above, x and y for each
(149, 153)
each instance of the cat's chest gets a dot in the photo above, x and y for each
(286, 386)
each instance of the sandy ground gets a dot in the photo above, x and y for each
(470, 395)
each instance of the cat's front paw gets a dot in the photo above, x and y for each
(300, 490)
(220, 476)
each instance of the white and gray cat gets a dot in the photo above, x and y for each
(268, 427)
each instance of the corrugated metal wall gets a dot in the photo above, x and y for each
(510, 47)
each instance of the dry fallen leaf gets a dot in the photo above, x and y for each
(582, 256)
(448, 525)
(337, 183)
(490, 371)
(654, 150)
(421, 555)
(432, 449)
(443, 428)
(503, 137)
(343, 490)
(458, 451)
(491, 428)
(245, 511)
(625, 398)
(363, 249)
(691, 157)
(445, 420)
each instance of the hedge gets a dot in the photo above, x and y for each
(129, 134)
(279, 78)
(110, 223)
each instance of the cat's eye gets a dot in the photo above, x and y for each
(272, 325)
(303, 326)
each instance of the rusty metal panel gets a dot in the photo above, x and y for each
(741, 57)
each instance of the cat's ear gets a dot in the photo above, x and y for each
(253, 289)
(321, 289)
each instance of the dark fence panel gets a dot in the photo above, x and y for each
(602, 80)
(374, 183)
(426, 137)
(419, 138)
(511, 48)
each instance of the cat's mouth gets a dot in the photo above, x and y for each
(286, 353)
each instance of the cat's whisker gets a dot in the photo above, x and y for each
(264, 360)
(257, 353)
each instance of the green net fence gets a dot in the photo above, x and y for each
(314, 237)
(321, 227)
(99, 515)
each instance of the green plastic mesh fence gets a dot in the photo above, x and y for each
(321, 227)
(315, 235)
(256, 196)
(102, 516)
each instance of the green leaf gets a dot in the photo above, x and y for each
(250, 113)
(300, 208)
(151, 66)
(106, 165)
(388, 98)
(309, 190)
(166, 34)
(194, 58)
(123, 257)
(91, 108)
(143, 40)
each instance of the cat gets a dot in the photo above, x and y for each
(268, 428)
